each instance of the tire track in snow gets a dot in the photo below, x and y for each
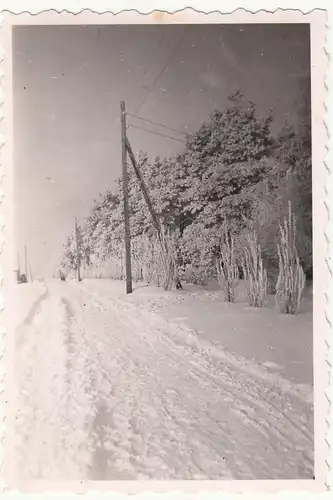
(35, 308)
(93, 458)
(251, 400)
(175, 336)
(40, 450)
(125, 411)
(24, 352)
(177, 360)
(30, 318)
(139, 401)
(80, 383)
(193, 351)
(182, 335)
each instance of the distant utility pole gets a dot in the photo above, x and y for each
(78, 259)
(26, 261)
(128, 265)
(30, 272)
(18, 268)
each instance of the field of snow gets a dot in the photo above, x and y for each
(159, 385)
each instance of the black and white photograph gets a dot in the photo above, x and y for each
(162, 263)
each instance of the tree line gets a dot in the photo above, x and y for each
(233, 172)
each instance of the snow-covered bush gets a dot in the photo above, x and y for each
(291, 278)
(227, 266)
(157, 260)
(254, 272)
(198, 247)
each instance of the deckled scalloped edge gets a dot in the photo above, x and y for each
(161, 11)
(2, 331)
(329, 236)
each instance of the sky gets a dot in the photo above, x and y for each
(68, 82)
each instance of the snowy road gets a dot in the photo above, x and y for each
(110, 391)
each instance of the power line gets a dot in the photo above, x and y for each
(156, 123)
(157, 133)
(173, 52)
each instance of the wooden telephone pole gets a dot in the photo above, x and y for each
(78, 259)
(128, 266)
(126, 148)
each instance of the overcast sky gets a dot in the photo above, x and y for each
(68, 83)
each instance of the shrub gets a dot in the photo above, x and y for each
(291, 278)
(194, 275)
(154, 259)
(227, 267)
(168, 259)
(197, 251)
(254, 272)
(151, 271)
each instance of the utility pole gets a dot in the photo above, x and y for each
(78, 260)
(128, 266)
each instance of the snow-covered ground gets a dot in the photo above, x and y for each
(159, 385)
(26, 301)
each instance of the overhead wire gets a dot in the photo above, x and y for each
(160, 74)
(172, 54)
(156, 123)
(156, 133)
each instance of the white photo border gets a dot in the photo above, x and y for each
(78, 13)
